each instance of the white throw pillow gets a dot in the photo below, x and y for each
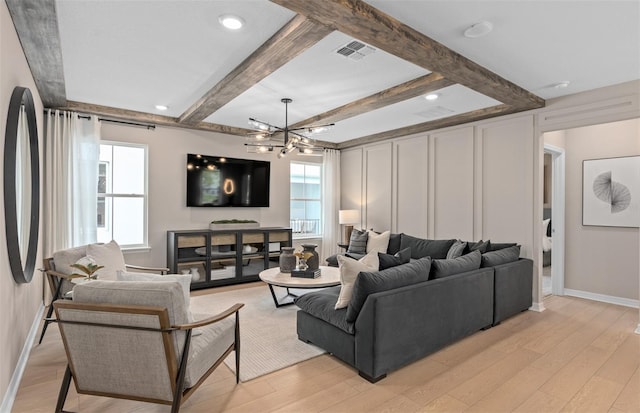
(378, 242)
(183, 279)
(349, 270)
(108, 255)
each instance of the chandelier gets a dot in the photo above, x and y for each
(285, 139)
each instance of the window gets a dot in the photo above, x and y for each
(122, 194)
(306, 199)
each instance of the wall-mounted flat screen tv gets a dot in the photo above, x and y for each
(216, 181)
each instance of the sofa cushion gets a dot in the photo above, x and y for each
(456, 250)
(495, 246)
(426, 247)
(370, 282)
(399, 258)
(321, 304)
(482, 246)
(358, 242)
(349, 270)
(377, 242)
(503, 256)
(444, 268)
(333, 260)
(394, 243)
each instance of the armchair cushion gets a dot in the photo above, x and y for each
(108, 255)
(207, 347)
(183, 279)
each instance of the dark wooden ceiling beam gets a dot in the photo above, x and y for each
(36, 24)
(473, 116)
(370, 25)
(416, 87)
(143, 117)
(294, 38)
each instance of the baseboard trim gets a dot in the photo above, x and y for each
(14, 384)
(626, 302)
(538, 307)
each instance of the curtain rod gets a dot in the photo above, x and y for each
(147, 126)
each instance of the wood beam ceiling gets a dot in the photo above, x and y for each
(395, 94)
(294, 38)
(143, 117)
(370, 25)
(36, 23)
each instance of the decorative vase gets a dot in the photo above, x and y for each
(195, 274)
(287, 259)
(313, 261)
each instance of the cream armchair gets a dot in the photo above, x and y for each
(58, 270)
(166, 364)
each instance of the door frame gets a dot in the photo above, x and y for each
(557, 217)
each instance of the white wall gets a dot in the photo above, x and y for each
(168, 149)
(449, 183)
(601, 260)
(19, 303)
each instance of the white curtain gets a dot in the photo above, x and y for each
(72, 149)
(331, 201)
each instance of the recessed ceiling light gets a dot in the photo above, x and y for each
(432, 96)
(478, 30)
(162, 107)
(562, 85)
(231, 22)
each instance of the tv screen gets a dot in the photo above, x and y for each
(215, 181)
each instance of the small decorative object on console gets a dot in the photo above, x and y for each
(308, 273)
(287, 260)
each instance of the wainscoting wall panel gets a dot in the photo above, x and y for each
(452, 183)
(378, 166)
(351, 181)
(507, 181)
(411, 194)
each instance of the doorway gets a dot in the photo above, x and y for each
(553, 221)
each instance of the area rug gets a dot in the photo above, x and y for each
(268, 338)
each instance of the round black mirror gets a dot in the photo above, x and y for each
(21, 185)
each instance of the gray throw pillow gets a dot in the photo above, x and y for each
(358, 242)
(373, 282)
(394, 244)
(482, 246)
(399, 258)
(445, 268)
(503, 256)
(457, 249)
(495, 246)
(420, 247)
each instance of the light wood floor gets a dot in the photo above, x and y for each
(578, 355)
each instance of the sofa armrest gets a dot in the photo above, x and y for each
(513, 288)
(398, 326)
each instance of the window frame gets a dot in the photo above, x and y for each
(145, 196)
(320, 231)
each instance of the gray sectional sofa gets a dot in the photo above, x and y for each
(400, 314)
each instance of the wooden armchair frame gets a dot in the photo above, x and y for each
(55, 281)
(176, 371)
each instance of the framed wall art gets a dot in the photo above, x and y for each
(611, 192)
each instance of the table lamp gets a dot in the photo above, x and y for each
(348, 217)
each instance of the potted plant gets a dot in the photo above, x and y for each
(88, 269)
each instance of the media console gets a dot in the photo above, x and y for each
(223, 257)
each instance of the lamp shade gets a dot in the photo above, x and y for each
(348, 216)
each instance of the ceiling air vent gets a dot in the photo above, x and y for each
(355, 50)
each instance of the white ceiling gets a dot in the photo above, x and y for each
(136, 54)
